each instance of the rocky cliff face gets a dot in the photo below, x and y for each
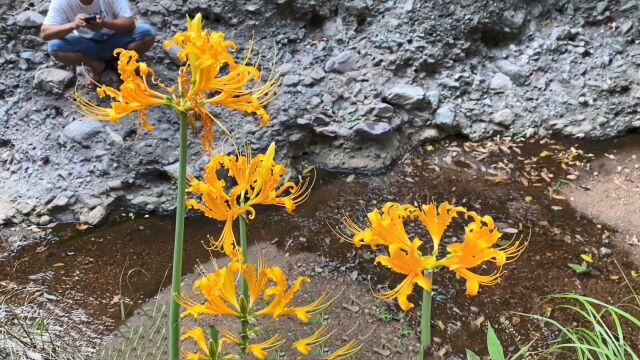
(364, 81)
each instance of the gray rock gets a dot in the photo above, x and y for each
(434, 98)
(381, 110)
(147, 202)
(82, 130)
(291, 80)
(563, 33)
(25, 208)
(631, 5)
(95, 216)
(626, 27)
(172, 170)
(284, 68)
(172, 53)
(60, 201)
(500, 83)
(503, 117)
(516, 73)
(89, 201)
(317, 74)
(29, 19)
(408, 5)
(445, 116)
(115, 184)
(53, 80)
(430, 134)
(44, 220)
(407, 96)
(513, 19)
(601, 7)
(115, 138)
(341, 63)
(373, 129)
(357, 7)
(605, 252)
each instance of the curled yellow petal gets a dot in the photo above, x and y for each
(306, 345)
(261, 350)
(346, 351)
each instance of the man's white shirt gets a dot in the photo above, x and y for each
(65, 11)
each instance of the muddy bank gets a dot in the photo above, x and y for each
(363, 83)
(517, 183)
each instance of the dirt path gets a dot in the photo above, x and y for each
(610, 193)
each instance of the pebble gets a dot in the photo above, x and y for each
(605, 252)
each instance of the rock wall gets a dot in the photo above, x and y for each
(364, 81)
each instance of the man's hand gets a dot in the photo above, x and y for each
(97, 25)
(78, 22)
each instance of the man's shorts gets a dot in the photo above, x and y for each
(100, 50)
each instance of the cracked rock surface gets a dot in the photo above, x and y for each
(363, 83)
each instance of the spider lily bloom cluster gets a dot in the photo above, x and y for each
(220, 292)
(201, 82)
(386, 227)
(255, 181)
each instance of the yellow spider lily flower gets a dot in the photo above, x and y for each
(409, 263)
(220, 293)
(256, 181)
(437, 221)
(199, 83)
(197, 335)
(346, 351)
(304, 346)
(385, 227)
(280, 297)
(134, 95)
(477, 248)
(218, 289)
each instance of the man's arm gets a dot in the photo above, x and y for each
(52, 31)
(123, 24)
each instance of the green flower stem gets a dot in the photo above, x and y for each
(244, 321)
(176, 277)
(425, 321)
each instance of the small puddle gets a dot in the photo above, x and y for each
(130, 256)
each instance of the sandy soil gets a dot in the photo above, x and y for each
(610, 193)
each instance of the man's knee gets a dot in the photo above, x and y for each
(144, 32)
(56, 48)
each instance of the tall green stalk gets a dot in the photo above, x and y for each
(244, 321)
(425, 321)
(176, 277)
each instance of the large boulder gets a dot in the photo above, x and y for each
(53, 80)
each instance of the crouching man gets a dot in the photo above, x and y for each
(86, 32)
